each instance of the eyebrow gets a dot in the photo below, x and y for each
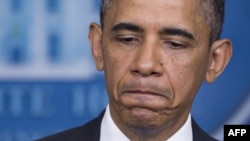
(177, 32)
(168, 30)
(127, 26)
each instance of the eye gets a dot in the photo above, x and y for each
(128, 40)
(175, 45)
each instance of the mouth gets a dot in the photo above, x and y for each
(145, 93)
(144, 99)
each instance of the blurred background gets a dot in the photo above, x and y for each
(48, 81)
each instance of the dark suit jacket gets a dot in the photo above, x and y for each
(91, 132)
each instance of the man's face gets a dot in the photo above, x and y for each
(155, 55)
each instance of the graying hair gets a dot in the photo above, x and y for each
(105, 4)
(212, 10)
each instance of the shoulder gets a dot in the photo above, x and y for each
(199, 134)
(89, 131)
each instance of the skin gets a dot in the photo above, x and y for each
(155, 55)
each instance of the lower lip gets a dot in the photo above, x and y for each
(144, 100)
(142, 94)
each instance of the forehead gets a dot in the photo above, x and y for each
(176, 12)
(156, 3)
(154, 15)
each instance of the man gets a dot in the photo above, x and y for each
(155, 54)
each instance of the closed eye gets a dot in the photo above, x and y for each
(128, 40)
(174, 45)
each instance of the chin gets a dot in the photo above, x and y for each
(142, 118)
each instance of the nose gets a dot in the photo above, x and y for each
(147, 62)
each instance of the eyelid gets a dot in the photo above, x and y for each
(124, 37)
(175, 44)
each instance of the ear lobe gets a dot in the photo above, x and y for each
(95, 38)
(220, 54)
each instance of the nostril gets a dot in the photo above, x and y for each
(155, 74)
(144, 73)
(135, 72)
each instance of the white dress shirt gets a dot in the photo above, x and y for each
(110, 132)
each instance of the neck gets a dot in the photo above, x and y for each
(152, 134)
(137, 134)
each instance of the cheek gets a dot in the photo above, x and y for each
(115, 69)
(185, 76)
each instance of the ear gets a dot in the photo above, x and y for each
(95, 38)
(220, 54)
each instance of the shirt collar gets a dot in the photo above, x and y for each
(185, 133)
(110, 131)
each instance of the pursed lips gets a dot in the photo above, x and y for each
(144, 92)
